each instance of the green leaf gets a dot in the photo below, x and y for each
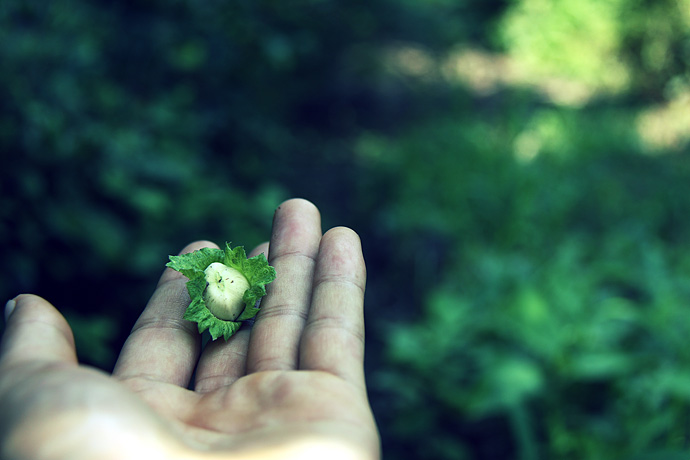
(194, 263)
(256, 270)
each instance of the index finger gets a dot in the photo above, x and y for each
(333, 338)
(162, 346)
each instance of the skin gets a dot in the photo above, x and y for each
(292, 387)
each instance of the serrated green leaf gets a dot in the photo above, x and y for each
(194, 263)
(248, 313)
(259, 272)
(222, 328)
(196, 287)
(235, 257)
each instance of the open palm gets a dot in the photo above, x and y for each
(291, 387)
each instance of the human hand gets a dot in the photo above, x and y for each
(292, 387)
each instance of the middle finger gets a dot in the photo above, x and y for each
(274, 341)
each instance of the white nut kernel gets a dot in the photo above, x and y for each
(223, 294)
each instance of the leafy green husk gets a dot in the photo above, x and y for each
(192, 265)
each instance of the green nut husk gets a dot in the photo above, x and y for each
(224, 286)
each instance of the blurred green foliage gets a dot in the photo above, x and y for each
(527, 230)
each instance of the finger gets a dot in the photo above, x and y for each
(222, 362)
(260, 249)
(294, 245)
(333, 339)
(36, 331)
(162, 346)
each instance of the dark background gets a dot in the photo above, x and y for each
(518, 170)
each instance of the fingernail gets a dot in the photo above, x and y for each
(9, 308)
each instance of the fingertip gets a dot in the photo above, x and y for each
(24, 300)
(33, 320)
(340, 254)
(342, 240)
(296, 229)
(9, 308)
(297, 204)
(29, 307)
(343, 235)
(260, 249)
(196, 245)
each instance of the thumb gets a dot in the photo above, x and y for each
(35, 331)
